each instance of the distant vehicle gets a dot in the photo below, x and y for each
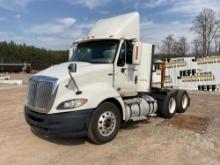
(15, 67)
(2, 77)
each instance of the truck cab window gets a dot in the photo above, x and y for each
(121, 58)
(96, 51)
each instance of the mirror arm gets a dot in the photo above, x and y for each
(77, 88)
(72, 68)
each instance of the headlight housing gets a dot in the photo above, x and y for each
(70, 104)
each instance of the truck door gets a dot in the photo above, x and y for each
(125, 73)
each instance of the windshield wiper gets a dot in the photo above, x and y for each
(99, 62)
(82, 61)
(96, 62)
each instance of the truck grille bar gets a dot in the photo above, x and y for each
(41, 93)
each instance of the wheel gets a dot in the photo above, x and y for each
(183, 101)
(167, 107)
(105, 123)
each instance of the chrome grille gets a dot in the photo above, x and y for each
(41, 94)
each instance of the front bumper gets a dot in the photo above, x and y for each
(74, 124)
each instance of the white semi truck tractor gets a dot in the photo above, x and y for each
(107, 82)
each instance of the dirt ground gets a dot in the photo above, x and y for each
(156, 141)
(21, 76)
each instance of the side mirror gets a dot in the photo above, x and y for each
(72, 67)
(137, 53)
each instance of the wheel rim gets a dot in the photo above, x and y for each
(172, 105)
(106, 123)
(184, 101)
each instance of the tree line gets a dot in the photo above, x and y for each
(206, 28)
(39, 58)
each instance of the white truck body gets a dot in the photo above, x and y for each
(106, 82)
(2, 77)
(126, 26)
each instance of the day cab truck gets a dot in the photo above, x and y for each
(106, 83)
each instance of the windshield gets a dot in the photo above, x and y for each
(102, 51)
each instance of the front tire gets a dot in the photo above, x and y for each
(105, 123)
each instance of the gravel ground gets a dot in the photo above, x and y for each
(156, 141)
(21, 76)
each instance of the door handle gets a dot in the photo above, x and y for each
(123, 70)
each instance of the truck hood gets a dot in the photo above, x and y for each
(60, 71)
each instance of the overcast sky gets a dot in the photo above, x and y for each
(54, 24)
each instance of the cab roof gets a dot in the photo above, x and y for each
(125, 26)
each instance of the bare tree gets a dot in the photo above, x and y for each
(218, 50)
(167, 45)
(177, 48)
(196, 46)
(183, 45)
(217, 44)
(180, 47)
(171, 46)
(205, 26)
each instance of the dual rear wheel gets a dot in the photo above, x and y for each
(174, 102)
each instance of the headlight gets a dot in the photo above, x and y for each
(71, 104)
